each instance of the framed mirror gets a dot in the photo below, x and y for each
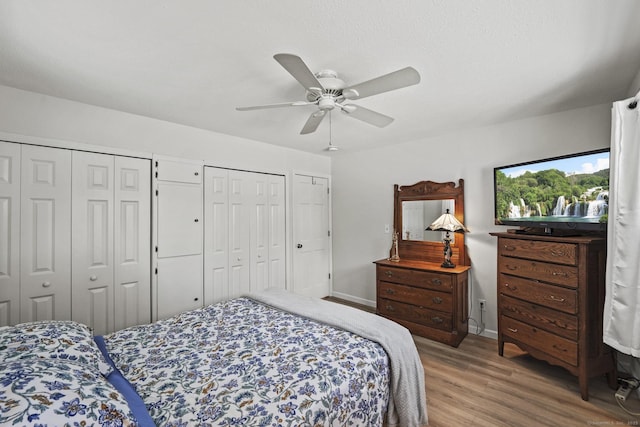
(415, 208)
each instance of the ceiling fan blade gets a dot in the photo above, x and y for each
(299, 70)
(398, 79)
(313, 122)
(280, 105)
(366, 115)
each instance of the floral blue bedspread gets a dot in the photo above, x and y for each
(240, 362)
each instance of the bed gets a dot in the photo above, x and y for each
(267, 359)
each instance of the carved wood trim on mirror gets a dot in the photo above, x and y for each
(413, 242)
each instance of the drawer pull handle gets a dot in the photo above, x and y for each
(560, 273)
(508, 286)
(514, 330)
(436, 281)
(555, 298)
(388, 273)
(557, 347)
(390, 308)
(46, 284)
(390, 291)
(509, 248)
(557, 253)
(437, 319)
(437, 300)
(93, 278)
(511, 267)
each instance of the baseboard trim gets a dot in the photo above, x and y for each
(351, 298)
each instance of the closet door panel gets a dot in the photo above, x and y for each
(240, 206)
(277, 232)
(45, 261)
(216, 231)
(179, 219)
(9, 233)
(260, 232)
(179, 285)
(92, 241)
(132, 242)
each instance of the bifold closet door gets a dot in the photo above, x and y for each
(110, 241)
(245, 237)
(9, 233)
(45, 254)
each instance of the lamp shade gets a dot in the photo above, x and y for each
(447, 222)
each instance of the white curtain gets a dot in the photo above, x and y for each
(621, 327)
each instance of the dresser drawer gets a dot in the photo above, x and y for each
(416, 314)
(559, 323)
(423, 279)
(543, 271)
(540, 293)
(556, 252)
(441, 301)
(554, 345)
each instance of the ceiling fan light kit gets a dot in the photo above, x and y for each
(326, 91)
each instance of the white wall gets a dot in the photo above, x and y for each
(363, 191)
(35, 115)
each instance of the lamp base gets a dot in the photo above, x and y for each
(447, 264)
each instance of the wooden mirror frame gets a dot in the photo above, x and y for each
(425, 250)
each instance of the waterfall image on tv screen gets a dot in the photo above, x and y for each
(573, 190)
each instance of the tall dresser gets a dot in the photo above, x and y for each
(550, 302)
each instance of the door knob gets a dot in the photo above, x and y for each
(299, 245)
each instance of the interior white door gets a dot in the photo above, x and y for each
(132, 242)
(240, 205)
(9, 233)
(311, 252)
(45, 261)
(92, 241)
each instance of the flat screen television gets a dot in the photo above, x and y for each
(559, 194)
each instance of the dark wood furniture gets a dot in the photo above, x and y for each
(416, 291)
(427, 299)
(551, 299)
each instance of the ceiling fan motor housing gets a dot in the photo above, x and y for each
(331, 88)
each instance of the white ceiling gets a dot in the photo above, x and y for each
(192, 62)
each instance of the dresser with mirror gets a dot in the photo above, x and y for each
(413, 287)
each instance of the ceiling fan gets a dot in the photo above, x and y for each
(326, 91)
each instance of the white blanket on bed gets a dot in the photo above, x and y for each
(407, 404)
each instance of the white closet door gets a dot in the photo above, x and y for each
(92, 241)
(311, 254)
(179, 285)
(216, 232)
(9, 233)
(240, 207)
(259, 226)
(179, 238)
(179, 215)
(45, 262)
(277, 232)
(132, 242)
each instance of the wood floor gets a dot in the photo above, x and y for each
(472, 386)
